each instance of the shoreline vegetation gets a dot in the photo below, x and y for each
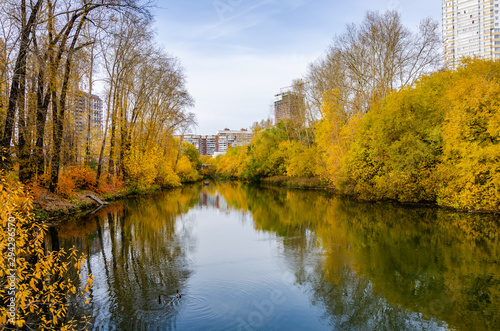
(376, 118)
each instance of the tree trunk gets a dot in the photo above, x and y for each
(58, 114)
(89, 126)
(101, 154)
(111, 164)
(18, 77)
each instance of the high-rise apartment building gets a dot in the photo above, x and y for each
(82, 108)
(470, 28)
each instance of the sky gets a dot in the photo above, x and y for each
(237, 54)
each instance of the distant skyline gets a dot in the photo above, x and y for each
(237, 54)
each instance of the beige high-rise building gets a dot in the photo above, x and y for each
(470, 28)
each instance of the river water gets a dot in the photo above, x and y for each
(250, 258)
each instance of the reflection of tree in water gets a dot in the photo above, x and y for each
(370, 266)
(141, 251)
(384, 266)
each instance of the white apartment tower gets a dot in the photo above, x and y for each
(470, 28)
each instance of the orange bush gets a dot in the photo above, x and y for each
(76, 177)
(108, 185)
(66, 185)
(35, 189)
(84, 177)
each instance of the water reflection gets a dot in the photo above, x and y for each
(339, 264)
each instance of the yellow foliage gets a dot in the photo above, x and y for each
(333, 135)
(438, 140)
(146, 167)
(38, 279)
(302, 159)
(185, 170)
(233, 163)
(470, 172)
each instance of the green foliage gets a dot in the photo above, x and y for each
(265, 157)
(193, 155)
(186, 170)
(272, 152)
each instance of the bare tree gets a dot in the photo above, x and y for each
(17, 87)
(50, 35)
(371, 59)
(147, 98)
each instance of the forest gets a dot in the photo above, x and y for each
(376, 118)
(54, 56)
(52, 136)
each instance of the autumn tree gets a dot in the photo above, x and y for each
(471, 139)
(146, 95)
(50, 33)
(37, 280)
(368, 60)
(435, 141)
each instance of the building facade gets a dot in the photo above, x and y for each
(236, 137)
(470, 28)
(219, 143)
(81, 113)
(287, 105)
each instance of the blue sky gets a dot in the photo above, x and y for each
(238, 53)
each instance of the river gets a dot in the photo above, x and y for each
(250, 258)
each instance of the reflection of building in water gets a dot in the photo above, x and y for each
(216, 201)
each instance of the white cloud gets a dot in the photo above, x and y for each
(235, 91)
(238, 57)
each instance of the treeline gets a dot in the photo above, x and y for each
(390, 125)
(50, 135)
(50, 55)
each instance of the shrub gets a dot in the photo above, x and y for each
(73, 178)
(145, 168)
(185, 170)
(110, 185)
(42, 284)
(66, 186)
(84, 177)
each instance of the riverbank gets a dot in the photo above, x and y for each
(315, 183)
(50, 207)
(312, 183)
